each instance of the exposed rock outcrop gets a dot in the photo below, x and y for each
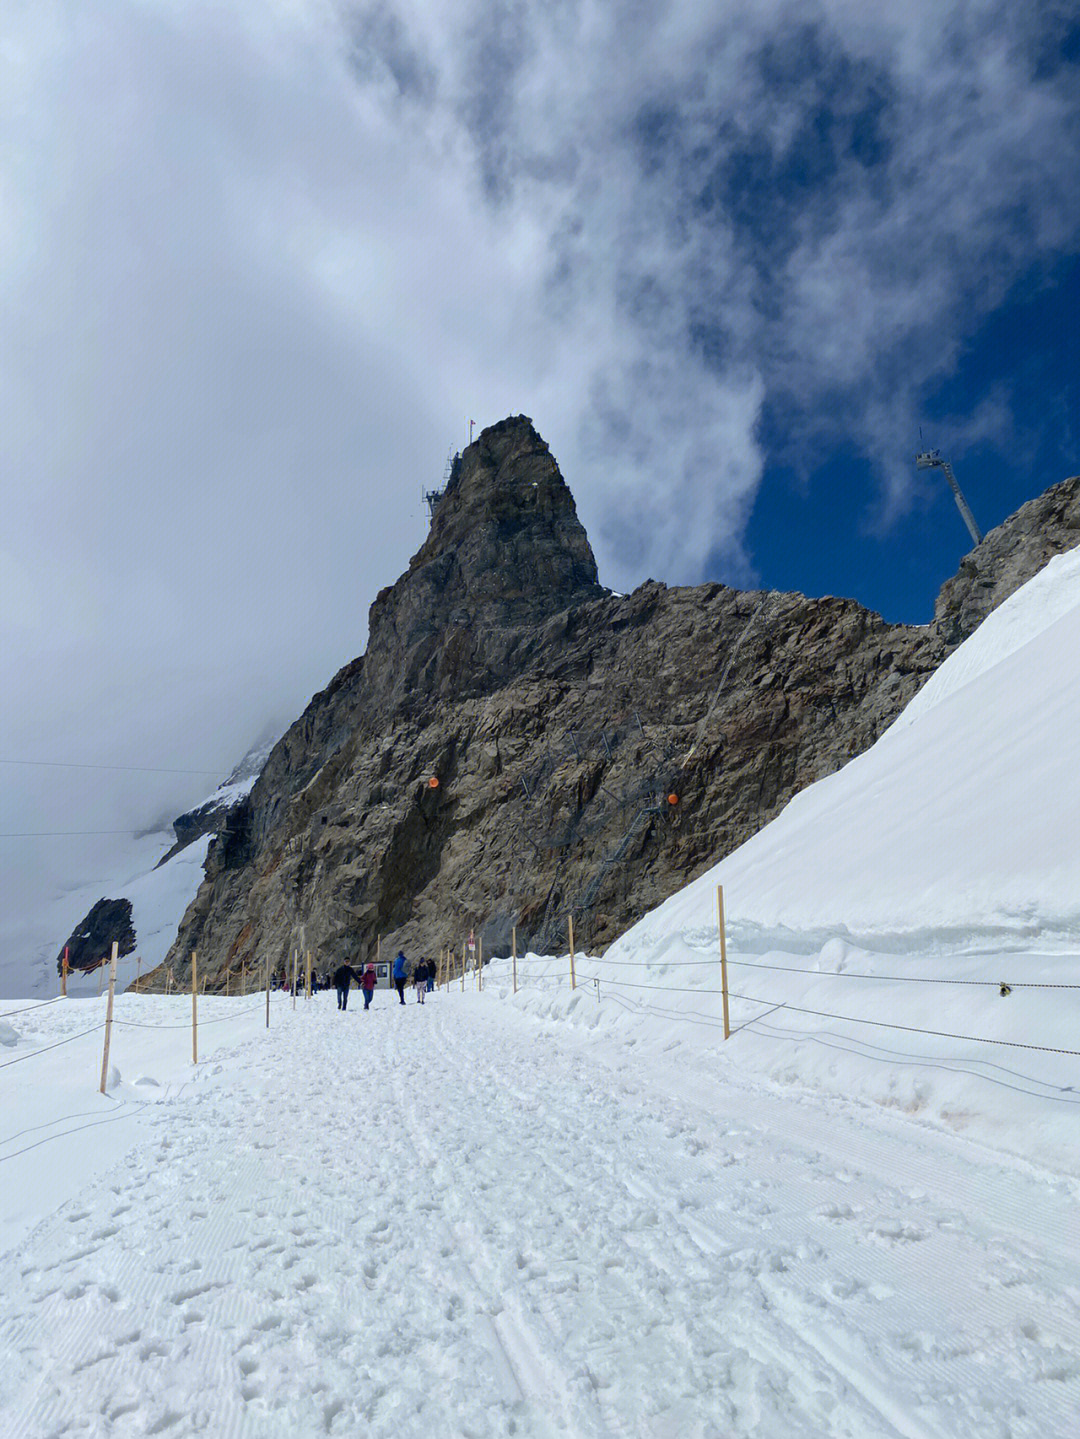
(91, 943)
(212, 815)
(1007, 558)
(593, 751)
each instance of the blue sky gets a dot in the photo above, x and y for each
(816, 528)
(259, 262)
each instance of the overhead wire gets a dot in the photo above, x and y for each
(128, 768)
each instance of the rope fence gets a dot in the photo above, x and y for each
(559, 981)
(110, 1020)
(533, 981)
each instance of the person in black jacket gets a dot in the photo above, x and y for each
(343, 976)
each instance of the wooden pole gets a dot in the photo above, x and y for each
(513, 949)
(463, 966)
(194, 1007)
(226, 981)
(573, 971)
(64, 973)
(138, 970)
(267, 962)
(723, 957)
(479, 963)
(100, 975)
(294, 979)
(108, 1017)
(307, 976)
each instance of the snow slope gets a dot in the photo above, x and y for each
(159, 897)
(894, 897)
(960, 822)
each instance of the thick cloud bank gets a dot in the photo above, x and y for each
(261, 261)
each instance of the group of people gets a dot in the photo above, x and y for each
(422, 975)
(343, 978)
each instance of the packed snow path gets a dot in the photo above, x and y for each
(450, 1220)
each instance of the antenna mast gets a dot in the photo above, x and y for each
(931, 460)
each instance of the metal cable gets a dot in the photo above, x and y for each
(844, 974)
(893, 978)
(139, 1024)
(848, 1018)
(109, 1119)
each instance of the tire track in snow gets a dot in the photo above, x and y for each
(638, 1257)
(935, 1372)
(522, 1340)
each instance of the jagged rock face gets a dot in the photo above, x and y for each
(559, 721)
(1007, 558)
(506, 550)
(91, 942)
(211, 817)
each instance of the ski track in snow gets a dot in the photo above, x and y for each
(450, 1221)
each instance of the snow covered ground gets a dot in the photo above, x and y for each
(454, 1220)
(582, 1212)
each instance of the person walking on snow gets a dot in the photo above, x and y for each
(368, 981)
(401, 974)
(343, 976)
(420, 980)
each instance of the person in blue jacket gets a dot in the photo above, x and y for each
(401, 974)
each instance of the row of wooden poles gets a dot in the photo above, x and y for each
(194, 1005)
(448, 963)
(447, 969)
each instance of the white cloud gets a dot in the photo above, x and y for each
(260, 261)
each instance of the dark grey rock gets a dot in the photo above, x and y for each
(91, 942)
(557, 719)
(1007, 558)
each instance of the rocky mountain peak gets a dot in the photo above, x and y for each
(506, 551)
(506, 510)
(559, 720)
